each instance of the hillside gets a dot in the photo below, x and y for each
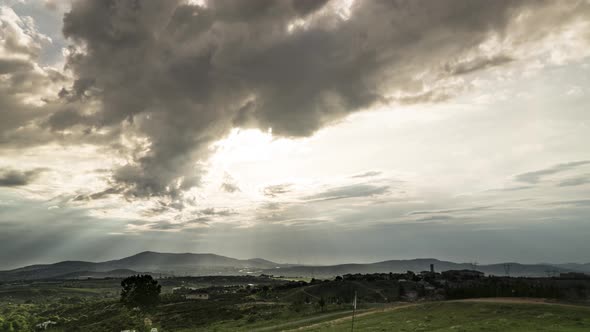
(211, 264)
(152, 262)
(416, 265)
(575, 266)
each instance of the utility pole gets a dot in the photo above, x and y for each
(353, 311)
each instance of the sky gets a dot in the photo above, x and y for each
(300, 131)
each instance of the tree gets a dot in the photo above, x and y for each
(322, 304)
(140, 291)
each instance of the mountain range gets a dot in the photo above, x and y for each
(168, 264)
(145, 262)
(423, 264)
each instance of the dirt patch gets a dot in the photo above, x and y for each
(370, 312)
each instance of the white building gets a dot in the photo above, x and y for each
(197, 295)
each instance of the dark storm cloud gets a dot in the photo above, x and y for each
(352, 191)
(183, 75)
(15, 178)
(64, 119)
(305, 7)
(537, 176)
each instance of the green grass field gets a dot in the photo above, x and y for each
(94, 306)
(469, 316)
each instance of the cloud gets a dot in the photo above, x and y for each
(367, 174)
(230, 187)
(26, 89)
(508, 189)
(572, 203)
(537, 176)
(278, 189)
(273, 206)
(98, 195)
(200, 220)
(450, 211)
(575, 181)
(180, 76)
(480, 63)
(14, 66)
(351, 191)
(431, 218)
(153, 84)
(16, 178)
(217, 212)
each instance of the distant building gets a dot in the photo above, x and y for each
(197, 295)
(45, 325)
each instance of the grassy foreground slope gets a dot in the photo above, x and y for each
(469, 316)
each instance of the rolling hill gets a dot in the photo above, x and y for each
(417, 265)
(211, 264)
(148, 261)
(575, 266)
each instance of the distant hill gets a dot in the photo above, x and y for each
(211, 264)
(121, 273)
(575, 266)
(152, 262)
(417, 265)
